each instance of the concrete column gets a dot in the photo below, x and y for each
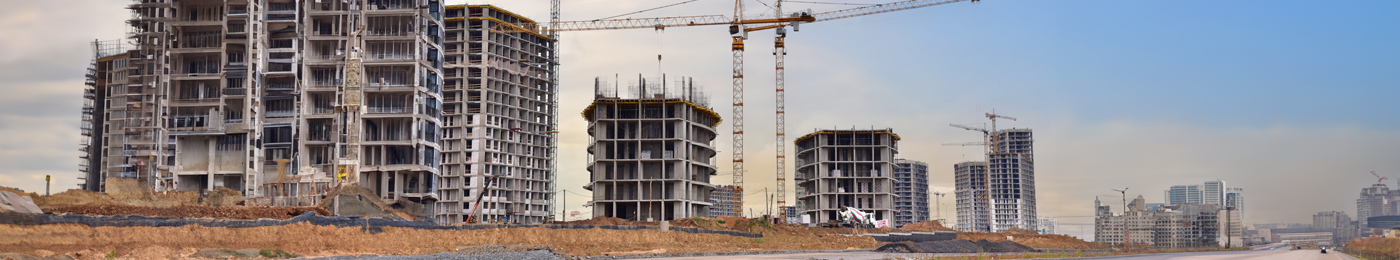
(383, 183)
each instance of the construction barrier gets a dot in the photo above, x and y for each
(369, 225)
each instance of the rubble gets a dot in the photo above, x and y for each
(11, 202)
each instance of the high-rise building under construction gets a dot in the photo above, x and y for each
(497, 114)
(837, 169)
(266, 98)
(1006, 181)
(911, 186)
(651, 151)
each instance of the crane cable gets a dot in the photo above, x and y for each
(642, 11)
(828, 3)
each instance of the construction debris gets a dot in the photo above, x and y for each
(11, 202)
(355, 200)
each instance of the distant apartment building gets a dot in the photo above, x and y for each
(1047, 225)
(1211, 192)
(1184, 194)
(498, 119)
(1377, 200)
(254, 96)
(1172, 226)
(970, 180)
(1234, 197)
(651, 152)
(837, 169)
(912, 205)
(1330, 220)
(793, 214)
(723, 204)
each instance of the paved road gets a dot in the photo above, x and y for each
(1272, 253)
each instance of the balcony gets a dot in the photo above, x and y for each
(279, 113)
(282, 43)
(282, 7)
(389, 110)
(281, 86)
(235, 91)
(201, 67)
(390, 4)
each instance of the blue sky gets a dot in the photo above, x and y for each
(1291, 100)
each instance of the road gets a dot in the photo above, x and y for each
(1269, 253)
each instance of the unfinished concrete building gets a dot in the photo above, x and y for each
(846, 168)
(107, 74)
(911, 187)
(722, 202)
(498, 109)
(970, 188)
(651, 153)
(247, 95)
(1011, 169)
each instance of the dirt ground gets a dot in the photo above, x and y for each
(312, 240)
(85, 242)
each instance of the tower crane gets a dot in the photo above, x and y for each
(1379, 178)
(739, 27)
(995, 139)
(986, 173)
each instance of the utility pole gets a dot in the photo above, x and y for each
(48, 181)
(563, 207)
(936, 198)
(1127, 240)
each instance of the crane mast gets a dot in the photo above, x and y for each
(554, 109)
(350, 105)
(779, 50)
(737, 32)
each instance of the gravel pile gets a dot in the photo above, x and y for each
(1003, 246)
(479, 252)
(954, 246)
(527, 255)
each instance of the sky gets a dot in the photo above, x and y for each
(1294, 101)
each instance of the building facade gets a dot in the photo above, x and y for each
(1184, 194)
(499, 106)
(970, 180)
(722, 202)
(846, 168)
(1377, 200)
(1213, 192)
(1330, 220)
(651, 153)
(1011, 170)
(911, 185)
(1172, 226)
(252, 96)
